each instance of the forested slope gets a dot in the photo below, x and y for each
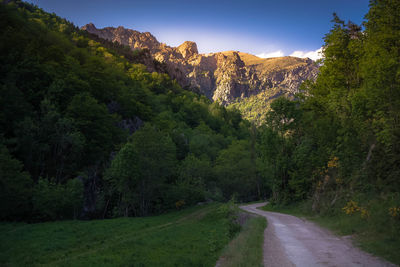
(337, 146)
(83, 125)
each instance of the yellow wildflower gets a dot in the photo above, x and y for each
(394, 212)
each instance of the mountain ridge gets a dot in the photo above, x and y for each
(228, 76)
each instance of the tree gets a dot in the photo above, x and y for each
(276, 146)
(194, 176)
(15, 187)
(380, 69)
(140, 168)
(53, 201)
(236, 172)
(97, 125)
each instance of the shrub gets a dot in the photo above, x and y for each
(56, 201)
(15, 187)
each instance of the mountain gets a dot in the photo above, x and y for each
(230, 77)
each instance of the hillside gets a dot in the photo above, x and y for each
(228, 77)
(88, 132)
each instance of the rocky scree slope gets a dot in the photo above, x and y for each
(228, 77)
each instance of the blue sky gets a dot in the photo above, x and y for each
(265, 28)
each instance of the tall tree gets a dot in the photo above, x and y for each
(140, 168)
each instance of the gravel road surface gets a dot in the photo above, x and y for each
(291, 241)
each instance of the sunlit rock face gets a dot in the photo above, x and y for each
(226, 77)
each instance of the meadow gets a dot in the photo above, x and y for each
(190, 237)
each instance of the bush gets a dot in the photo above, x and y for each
(230, 211)
(56, 201)
(15, 187)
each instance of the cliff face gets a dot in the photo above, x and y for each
(225, 76)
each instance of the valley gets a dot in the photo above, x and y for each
(117, 149)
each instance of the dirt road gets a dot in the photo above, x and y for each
(290, 241)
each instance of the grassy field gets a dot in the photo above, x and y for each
(191, 237)
(246, 250)
(375, 235)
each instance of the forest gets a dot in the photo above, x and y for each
(339, 141)
(88, 133)
(333, 153)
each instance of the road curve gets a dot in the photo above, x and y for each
(290, 241)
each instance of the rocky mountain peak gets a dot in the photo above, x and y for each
(89, 27)
(188, 49)
(128, 37)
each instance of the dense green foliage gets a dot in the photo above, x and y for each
(337, 146)
(16, 186)
(192, 237)
(255, 107)
(140, 167)
(341, 135)
(83, 123)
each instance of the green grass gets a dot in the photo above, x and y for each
(382, 242)
(247, 248)
(191, 237)
(252, 202)
(296, 210)
(376, 235)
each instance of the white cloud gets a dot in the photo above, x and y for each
(314, 55)
(277, 53)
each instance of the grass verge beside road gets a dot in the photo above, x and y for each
(247, 248)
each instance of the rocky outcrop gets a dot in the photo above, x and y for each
(225, 76)
(131, 38)
(188, 49)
